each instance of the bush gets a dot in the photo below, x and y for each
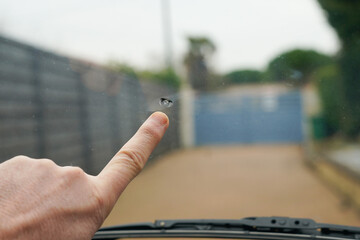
(343, 16)
(296, 66)
(328, 81)
(166, 76)
(243, 76)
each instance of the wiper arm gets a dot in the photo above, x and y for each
(246, 228)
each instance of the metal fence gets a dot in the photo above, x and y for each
(73, 112)
(249, 118)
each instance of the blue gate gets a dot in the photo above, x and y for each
(225, 119)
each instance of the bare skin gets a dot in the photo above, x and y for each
(40, 200)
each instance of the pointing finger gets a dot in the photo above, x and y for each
(131, 158)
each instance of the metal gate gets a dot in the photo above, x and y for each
(261, 118)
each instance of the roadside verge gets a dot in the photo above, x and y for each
(341, 178)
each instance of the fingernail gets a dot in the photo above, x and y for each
(160, 117)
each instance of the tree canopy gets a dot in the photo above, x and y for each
(243, 76)
(166, 76)
(295, 66)
(343, 16)
(196, 61)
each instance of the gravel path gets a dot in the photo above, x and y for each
(230, 182)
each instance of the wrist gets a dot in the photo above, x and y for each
(18, 227)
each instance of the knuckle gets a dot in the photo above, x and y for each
(151, 133)
(47, 162)
(21, 158)
(134, 160)
(77, 172)
(74, 172)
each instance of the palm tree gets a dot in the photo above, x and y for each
(200, 50)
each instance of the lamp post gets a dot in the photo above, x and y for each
(166, 20)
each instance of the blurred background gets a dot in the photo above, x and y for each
(263, 99)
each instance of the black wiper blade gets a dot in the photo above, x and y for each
(246, 228)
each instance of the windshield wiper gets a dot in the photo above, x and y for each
(246, 228)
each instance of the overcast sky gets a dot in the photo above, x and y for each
(247, 33)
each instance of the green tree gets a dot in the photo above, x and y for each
(343, 16)
(122, 68)
(243, 76)
(327, 80)
(165, 76)
(196, 61)
(296, 66)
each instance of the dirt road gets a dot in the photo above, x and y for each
(230, 182)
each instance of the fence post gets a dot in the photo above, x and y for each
(113, 111)
(84, 125)
(39, 103)
(114, 123)
(187, 115)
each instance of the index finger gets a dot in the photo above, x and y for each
(131, 158)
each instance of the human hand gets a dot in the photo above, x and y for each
(40, 200)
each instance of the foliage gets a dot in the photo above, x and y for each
(201, 46)
(243, 76)
(349, 63)
(328, 82)
(343, 15)
(166, 76)
(295, 66)
(122, 68)
(196, 61)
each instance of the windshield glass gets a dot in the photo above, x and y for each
(263, 99)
